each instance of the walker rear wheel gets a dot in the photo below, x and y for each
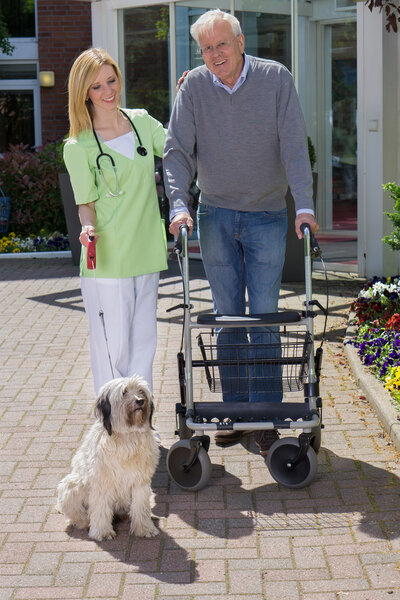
(279, 462)
(194, 477)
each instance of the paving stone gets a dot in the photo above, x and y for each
(243, 536)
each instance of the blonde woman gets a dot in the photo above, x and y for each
(109, 155)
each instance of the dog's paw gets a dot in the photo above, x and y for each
(147, 530)
(81, 524)
(99, 535)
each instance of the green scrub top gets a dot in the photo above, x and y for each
(132, 239)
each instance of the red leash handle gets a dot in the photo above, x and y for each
(91, 253)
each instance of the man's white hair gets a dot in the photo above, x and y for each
(207, 22)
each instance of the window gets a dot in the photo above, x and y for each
(267, 35)
(186, 13)
(14, 70)
(146, 32)
(345, 5)
(16, 118)
(19, 16)
(19, 86)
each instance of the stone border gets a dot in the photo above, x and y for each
(56, 254)
(373, 389)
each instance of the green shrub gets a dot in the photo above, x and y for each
(393, 240)
(30, 179)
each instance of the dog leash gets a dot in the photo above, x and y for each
(91, 265)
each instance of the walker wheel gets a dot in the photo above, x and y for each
(197, 476)
(183, 430)
(279, 458)
(315, 442)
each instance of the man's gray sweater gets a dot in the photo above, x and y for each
(245, 147)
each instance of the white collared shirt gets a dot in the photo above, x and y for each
(240, 81)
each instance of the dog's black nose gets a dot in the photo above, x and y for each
(140, 401)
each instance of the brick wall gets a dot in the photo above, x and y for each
(64, 30)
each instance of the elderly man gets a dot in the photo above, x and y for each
(237, 123)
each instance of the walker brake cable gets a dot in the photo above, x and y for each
(176, 255)
(316, 252)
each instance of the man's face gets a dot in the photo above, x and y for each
(222, 52)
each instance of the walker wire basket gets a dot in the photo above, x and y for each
(241, 361)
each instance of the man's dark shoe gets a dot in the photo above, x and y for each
(227, 437)
(265, 439)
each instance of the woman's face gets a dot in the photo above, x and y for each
(105, 90)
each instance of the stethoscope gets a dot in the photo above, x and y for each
(140, 150)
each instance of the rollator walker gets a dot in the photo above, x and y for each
(275, 354)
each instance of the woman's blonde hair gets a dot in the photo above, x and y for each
(81, 77)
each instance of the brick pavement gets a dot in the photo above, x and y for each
(244, 536)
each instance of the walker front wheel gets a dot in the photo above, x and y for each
(193, 477)
(183, 430)
(280, 464)
(315, 442)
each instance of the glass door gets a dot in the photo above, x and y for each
(337, 137)
(340, 127)
(344, 127)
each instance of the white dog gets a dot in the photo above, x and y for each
(112, 469)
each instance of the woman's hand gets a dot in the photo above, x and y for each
(88, 231)
(180, 80)
(87, 216)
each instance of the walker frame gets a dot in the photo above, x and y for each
(291, 461)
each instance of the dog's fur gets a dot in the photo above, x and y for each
(112, 469)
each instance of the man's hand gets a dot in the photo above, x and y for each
(178, 220)
(305, 218)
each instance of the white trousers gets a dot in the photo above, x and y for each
(123, 340)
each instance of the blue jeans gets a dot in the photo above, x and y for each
(244, 251)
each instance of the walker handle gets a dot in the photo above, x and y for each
(178, 243)
(314, 246)
(91, 253)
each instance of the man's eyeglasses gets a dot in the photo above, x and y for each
(221, 47)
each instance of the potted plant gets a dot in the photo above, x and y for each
(70, 209)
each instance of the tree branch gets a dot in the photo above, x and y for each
(392, 12)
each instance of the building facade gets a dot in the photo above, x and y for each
(46, 36)
(345, 66)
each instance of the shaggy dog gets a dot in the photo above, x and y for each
(112, 469)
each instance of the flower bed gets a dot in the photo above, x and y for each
(377, 322)
(13, 244)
